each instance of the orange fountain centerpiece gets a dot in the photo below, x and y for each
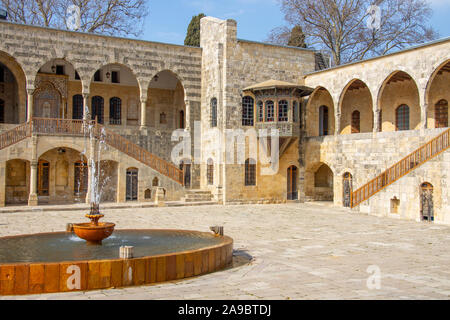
(94, 232)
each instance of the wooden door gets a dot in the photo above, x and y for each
(43, 178)
(292, 192)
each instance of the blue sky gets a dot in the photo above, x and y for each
(168, 20)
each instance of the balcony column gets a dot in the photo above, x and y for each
(30, 92)
(423, 117)
(337, 124)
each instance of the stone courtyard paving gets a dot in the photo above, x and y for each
(294, 251)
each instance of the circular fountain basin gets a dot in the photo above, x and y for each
(62, 262)
(94, 234)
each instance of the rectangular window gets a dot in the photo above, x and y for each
(60, 70)
(283, 111)
(270, 111)
(115, 77)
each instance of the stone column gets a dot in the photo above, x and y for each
(376, 121)
(30, 104)
(143, 113)
(188, 115)
(423, 117)
(337, 124)
(33, 198)
(86, 110)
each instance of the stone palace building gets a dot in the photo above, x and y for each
(371, 135)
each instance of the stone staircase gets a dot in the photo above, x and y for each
(197, 196)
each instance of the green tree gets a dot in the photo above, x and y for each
(193, 32)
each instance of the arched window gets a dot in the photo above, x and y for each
(441, 114)
(283, 111)
(182, 125)
(402, 118)
(115, 111)
(213, 112)
(270, 111)
(250, 172)
(356, 122)
(155, 182)
(260, 111)
(2, 111)
(98, 104)
(247, 111)
(323, 121)
(77, 107)
(210, 172)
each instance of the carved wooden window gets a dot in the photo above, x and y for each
(81, 178)
(250, 172)
(402, 118)
(2, 111)
(283, 111)
(213, 112)
(115, 111)
(441, 114)
(98, 108)
(260, 111)
(132, 185)
(247, 111)
(323, 121)
(270, 111)
(356, 122)
(77, 107)
(210, 172)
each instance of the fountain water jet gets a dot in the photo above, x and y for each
(94, 232)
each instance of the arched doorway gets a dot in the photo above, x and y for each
(323, 183)
(292, 191)
(347, 189)
(426, 202)
(132, 184)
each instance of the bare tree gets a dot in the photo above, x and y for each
(347, 29)
(111, 17)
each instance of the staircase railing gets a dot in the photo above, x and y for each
(140, 154)
(402, 168)
(13, 136)
(78, 128)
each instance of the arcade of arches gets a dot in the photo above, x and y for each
(339, 127)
